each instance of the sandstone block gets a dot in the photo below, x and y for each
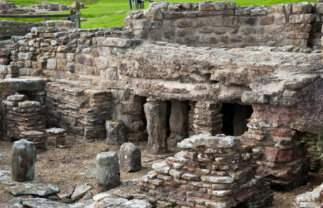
(319, 8)
(51, 64)
(156, 127)
(116, 132)
(23, 161)
(107, 171)
(206, 6)
(302, 8)
(130, 158)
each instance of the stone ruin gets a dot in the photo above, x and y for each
(210, 171)
(175, 71)
(11, 28)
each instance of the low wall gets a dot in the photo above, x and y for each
(16, 28)
(222, 24)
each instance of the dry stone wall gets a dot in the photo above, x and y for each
(15, 28)
(11, 8)
(222, 24)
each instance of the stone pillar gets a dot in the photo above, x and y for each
(130, 158)
(156, 126)
(23, 160)
(178, 123)
(207, 118)
(107, 171)
(116, 132)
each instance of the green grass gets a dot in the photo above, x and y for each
(102, 13)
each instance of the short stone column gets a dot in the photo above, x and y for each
(55, 137)
(156, 126)
(130, 158)
(116, 132)
(107, 171)
(178, 123)
(23, 160)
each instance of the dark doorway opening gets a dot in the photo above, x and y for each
(141, 132)
(235, 118)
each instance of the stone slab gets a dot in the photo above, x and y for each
(34, 187)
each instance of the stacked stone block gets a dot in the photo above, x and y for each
(279, 153)
(207, 118)
(77, 109)
(24, 120)
(311, 199)
(96, 113)
(16, 28)
(209, 171)
(6, 70)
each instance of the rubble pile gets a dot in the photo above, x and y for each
(209, 171)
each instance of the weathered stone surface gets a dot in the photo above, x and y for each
(107, 171)
(209, 141)
(130, 158)
(156, 127)
(23, 161)
(116, 132)
(34, 187)
(55, 137)
(79, 191)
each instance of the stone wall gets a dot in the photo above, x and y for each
(15, 28)
(77, 108)
(222, 24)
(11, 8)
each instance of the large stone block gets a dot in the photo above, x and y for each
(130, 158)
(116, 132)
(107, 171)
(23, 161)
(156, 127)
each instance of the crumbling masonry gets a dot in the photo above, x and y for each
(177, 70)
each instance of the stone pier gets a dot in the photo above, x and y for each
(23, 161)
(156, 126)
(107, 171)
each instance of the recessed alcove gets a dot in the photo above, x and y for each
(235, 118)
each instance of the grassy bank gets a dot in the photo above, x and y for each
(108, 13)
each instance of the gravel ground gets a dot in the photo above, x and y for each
(75, 165)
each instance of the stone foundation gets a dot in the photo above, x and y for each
(209, 171)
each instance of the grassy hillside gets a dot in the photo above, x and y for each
(108, 13)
